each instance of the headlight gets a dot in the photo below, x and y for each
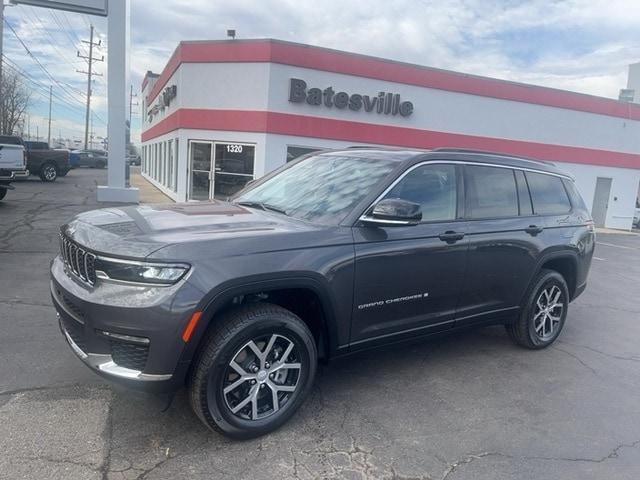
(139, 272)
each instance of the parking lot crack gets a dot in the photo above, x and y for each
(107, 437)
(629, 358)
(467, 460)
(577, 358)
(470, 458)
(19, 391)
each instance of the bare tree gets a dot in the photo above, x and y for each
(14, 100)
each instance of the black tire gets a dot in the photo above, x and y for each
(99, 164)
(228, 340)
(3, 193)
(528, 329)
(48, 172)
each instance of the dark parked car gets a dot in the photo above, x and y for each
(89, 158)
(333, 253)
(46, 162)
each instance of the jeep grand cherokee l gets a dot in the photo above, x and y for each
(335, 252)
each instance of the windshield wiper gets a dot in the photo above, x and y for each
(262, 206)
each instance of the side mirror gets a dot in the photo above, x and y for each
(394, 211)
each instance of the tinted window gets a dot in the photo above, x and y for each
(576, 199)
(433, 187)
(9, 140)
(548, 194)
(490, 192)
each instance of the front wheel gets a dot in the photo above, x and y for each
(3, 193)
(254, 370)
(48, 172)
(544, 312)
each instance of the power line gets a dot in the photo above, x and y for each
(77, 109)
(35, 59)
(37, 22)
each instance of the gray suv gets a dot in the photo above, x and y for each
(333, 253)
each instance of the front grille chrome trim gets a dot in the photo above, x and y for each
(77, 260)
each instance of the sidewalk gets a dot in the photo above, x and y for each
(148, 192)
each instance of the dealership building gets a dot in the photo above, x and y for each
(224, 112)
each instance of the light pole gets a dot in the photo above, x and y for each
(1, 60)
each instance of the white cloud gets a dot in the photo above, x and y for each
(580, 45)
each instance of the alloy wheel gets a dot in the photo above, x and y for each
(548, 312)
(49, 172)
(262, 377)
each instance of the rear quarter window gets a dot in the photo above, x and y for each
(548, 194)
(574, 195)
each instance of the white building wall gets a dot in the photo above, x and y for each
(461, 113)
(265, 87)
(624, 188)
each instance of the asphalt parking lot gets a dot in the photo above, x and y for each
(469, 406)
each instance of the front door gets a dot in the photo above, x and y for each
(408, 278)
(200, 155)
(233, 168)
(601, 201)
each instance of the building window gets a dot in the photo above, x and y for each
(170, 165)
(175, 168)
(233, 168)
(295, 152)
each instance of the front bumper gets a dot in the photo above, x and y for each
(18, 174)
(128, 334)
(104, 363)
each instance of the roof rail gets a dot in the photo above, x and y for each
(488, 152)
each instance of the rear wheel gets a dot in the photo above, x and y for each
(3, 193)
(48, 172)
(100, 164)
(254, 370)
(544, 313)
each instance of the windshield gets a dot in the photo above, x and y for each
(321, 189)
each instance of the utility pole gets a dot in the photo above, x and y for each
(1, 60)
(131, 104)
(89, 74)
(49, 134)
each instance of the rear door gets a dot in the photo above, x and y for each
(408, 278)
(505, 239)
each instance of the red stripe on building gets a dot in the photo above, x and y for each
(388, 70)
(332, 129)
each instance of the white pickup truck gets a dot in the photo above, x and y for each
(12, 159)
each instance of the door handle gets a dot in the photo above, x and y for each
(450, 236)
(533, 229)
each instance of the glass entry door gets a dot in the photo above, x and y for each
(219, 170)
(233, 168)
(200, 154)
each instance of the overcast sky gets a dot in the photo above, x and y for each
(579, 45)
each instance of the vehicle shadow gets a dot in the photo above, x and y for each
(350, 392)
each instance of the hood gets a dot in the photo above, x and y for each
(138, 231)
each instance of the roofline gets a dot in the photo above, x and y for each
(337, 61)
(146, 78)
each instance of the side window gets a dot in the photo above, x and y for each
(490, 192)
(548, 194)
(576, 199)
(433, 187)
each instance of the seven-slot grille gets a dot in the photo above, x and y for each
(78, 260)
